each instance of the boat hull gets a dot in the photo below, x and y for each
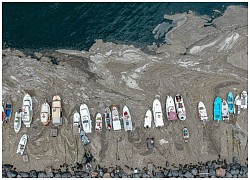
(225, 112)
(108, 118)
(116, 119)
(127, 122)
(180, 108)
(170, 109)
(157, 113)
(22, 144)
(27, 111)
(98, 122)
(56, 111)
(45, 113)
(202, 111)
(218, 109)
(148, 119)
(244, 100)
(230, 102)
(18, 121)
(85, 118)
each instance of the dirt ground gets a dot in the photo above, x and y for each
(214, 63)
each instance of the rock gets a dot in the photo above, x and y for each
(38, 55)
(107, 175)
(194, 171)
(45, 59)
(170, 174)
(159, 175)
(33, 174)
(58, 175)
(7, 167)
(212, 172)
(220, 172)
(181, 175)
(228, 168)
(188, 174)
(4, 174)
(209, 164)
(243, 170)
(66, 174)
(17, 53)
(175, 173)
(11, 174)
(235, 172)
(50, 174)
(235, 176)
(23, 174)
(94, 174)
(245, 175)
(165, 172)
(42, 174)
(144, 175)
(18, 176)
(228, 175)
(235, 160)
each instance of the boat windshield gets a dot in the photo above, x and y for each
(85, 121)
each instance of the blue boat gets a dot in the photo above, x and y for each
(218, 109)
(8, 109)
(230, 102)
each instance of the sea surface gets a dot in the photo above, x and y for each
(39, 26)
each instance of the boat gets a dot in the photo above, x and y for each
(18, 121)
(45, 113)
(27, 111)
(244, 100)
(3, 114)
(237, 104)
(98, 122)
(76, 123)
(225, 112)
(180, 108)
(56, 111)
(85, 118)
(22, 144)
(127, 122)
(202, 111)
(185, 133)
(8, 109)
(157, 113)
(84, 138)
(148, 119)
(170, 109)
(230, 102)
(115, 118)
(217, 109)
(108, 118)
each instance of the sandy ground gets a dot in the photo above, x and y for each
(201, 64)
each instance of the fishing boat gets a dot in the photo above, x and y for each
(27, 111)
(157, 113)
(115, 118)
(18, 121)
(181, 111)
(98, 122)
(8, 109)
(76, 123)
(244, 100)
(3, 114)
(85, 118)
(127, 122)
(22, 144)
(225, 112)
(170, 109)
(56, 111)
(45, 113)
(217, 109)
(185, 134)
(237, 104)
(230, 102)
(148, 119)
(202, 111)
(108, 118)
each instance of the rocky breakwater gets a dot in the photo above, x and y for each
(200, 64)
(215, 169)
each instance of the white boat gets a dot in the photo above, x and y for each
(179, 104)
(225, 112)
(56, 111)
(157, 113)
(76, 123)
(170, 109)
(85, 118)
(22, 144)
(244, 100)
(27, 111)
(148, 119)
(115, 118)
(202, 111)
(98, 122)
(18, 121)
(108, 118)
(127, 122)
(237, 102)
(45, 113)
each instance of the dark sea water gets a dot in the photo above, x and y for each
(37, 26)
